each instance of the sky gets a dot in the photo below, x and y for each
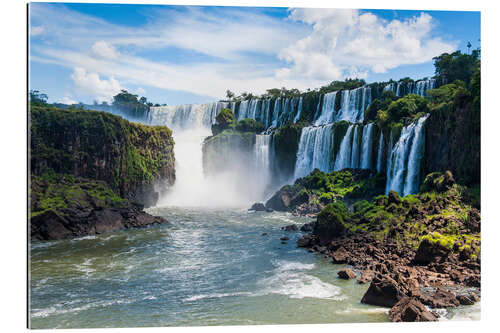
(193, 54)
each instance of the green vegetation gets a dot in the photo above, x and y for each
(99, 145)
(457, 66)
(64, 193)
(440, 215)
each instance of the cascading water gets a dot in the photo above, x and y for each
(355, 149)
(314, 150)
(299, 111)
(366, 147)
(380, 152)
(343, 159)
(263, 156)
(403, 169)
(190, 125)
(327, 110)
(353, 104)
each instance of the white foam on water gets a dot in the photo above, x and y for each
(219, 295)
(290, 280)
(89, 237)
(85, 267)
(462, 313)
(57, 309)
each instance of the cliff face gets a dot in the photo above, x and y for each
(228, 151)
(453, 142)
(131, 158)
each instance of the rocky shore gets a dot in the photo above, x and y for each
(419, 253)
(63, 206)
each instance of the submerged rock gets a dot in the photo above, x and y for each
(258, 207)
(291, 227)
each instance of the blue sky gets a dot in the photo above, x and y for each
(179, 54)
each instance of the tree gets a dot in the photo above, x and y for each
(468, 47)
(143, 100)
(37, 97)
(229, 94)
(224, 120)
(456, 66)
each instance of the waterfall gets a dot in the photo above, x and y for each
(355, 149)
(366, 144)
(186, 115)
(327, 110)
(353, 104)
(422, 86)
(299, 111)
(314, 150)
(417, 149)
(380, 152)
(343, 159)
(276, 112)
(404, 161)
(263, 156)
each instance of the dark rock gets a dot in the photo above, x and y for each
(428, 252)
(410, 310)
(394, 198)
(346, 274)
(264, 234)
(258, 207)
(284, 238)
(340, 256)
(305, 241)
(383, 291)
(49, 225)
(291, 227)
(440, 299)
(467, 299)
(474, 220)
(269, 210)
(308, 227)
(280, 201)
(366, 276)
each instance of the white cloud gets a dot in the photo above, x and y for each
(344, 42)
(67, 100)
(234, 48)
(105, 50)
(91, 84)
(141, 91)
(35, 31)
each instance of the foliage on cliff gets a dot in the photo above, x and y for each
(442, 215)
(129, 157)
(311, 193)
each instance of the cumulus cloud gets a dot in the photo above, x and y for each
(141, 91)
(88, 83)
(233, 48)
(67, 100)
(346, 42)
(104, 49)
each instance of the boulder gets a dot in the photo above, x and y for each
(340, 256)
(284, 238)
(383, 291)
(428, 252)
(467, 299)
(291, 227)
(440, 299)
(258, 207)
(366, 276)
(409, 310)
(346, 274)
(394, 198)
(49, 225)
(305, 241)
(308, 227)
(331, 222)
(280, 201)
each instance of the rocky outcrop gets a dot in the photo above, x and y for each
(409, 310)
(383, 292)
(346, 274)
(131, 158)
(65, 207)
